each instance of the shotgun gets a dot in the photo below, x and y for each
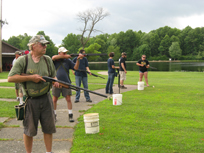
(69, 86)
(91, 73)
(104, 54)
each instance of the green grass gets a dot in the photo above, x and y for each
(4, 75)
(7, 84)
(167, 118)
(7, 93)
(7, 109)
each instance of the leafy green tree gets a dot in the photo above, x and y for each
(165, 44)
(15, 41)
(143, 50)
(175, 50)
(127, 42)
(116, 51)
(72, 43)
(182, 38)
(93, 48)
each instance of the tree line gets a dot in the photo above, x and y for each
(159, 44)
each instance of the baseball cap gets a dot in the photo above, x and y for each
(62, 49)
(17, 52)
(38, 38)
(124, 53)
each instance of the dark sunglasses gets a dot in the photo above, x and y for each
(43, 44)
(143, 57)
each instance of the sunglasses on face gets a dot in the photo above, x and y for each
(43, 44)
(143, 57)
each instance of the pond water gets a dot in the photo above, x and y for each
(160, 66)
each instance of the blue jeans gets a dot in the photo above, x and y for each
(78, 80)
(109, 85)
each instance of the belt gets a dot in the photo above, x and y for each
(38, 96)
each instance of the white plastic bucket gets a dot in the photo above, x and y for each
(91, 122)
(140, 85)
(117, 99)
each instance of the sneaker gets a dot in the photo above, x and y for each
(71, 118)
(89, 100)
(123, 87)
(55, 117)
(76, 101)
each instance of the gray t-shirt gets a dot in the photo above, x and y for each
(34, 89)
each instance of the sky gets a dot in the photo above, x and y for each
(58, 18)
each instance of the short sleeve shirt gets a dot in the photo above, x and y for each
(61, 73)
(144, 62)
(122, 60)
(110, 62)
(40, 68)
(83, 63)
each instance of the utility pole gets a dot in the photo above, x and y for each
(1, 24)
(0, 38)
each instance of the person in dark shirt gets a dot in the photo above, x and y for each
(122, 70)
(143, 66)
(81, 76)
(111, 74)
(62, 65)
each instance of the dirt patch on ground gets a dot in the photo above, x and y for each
(103, 72)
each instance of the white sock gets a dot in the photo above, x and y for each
(21, 100)
(55, 112)
(48, 152)
(70, 111)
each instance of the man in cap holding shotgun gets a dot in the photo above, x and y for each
(39, 102)
(62, 65)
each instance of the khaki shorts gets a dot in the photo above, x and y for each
(18, 86)
(39, 108)
(122, 75)
(65, 92)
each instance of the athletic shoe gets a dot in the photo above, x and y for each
(71, 118)
(123, 87)
(76, 101)
(89, 100)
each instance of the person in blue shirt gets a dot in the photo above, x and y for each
(81, 76)
(62, 65)
(111, 74)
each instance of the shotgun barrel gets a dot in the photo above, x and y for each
(91, 73)
(103, 54)
(68, 85)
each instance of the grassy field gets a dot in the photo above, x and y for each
(165, 119)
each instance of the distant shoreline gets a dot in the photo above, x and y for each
(156, 61)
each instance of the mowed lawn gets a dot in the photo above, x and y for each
(165, 119)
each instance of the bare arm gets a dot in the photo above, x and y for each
(57, 57)
(77, 61)
(114, 67)
(87, 68)
(24, 78)
(123, 66)
(73, 72)
(138, 64)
